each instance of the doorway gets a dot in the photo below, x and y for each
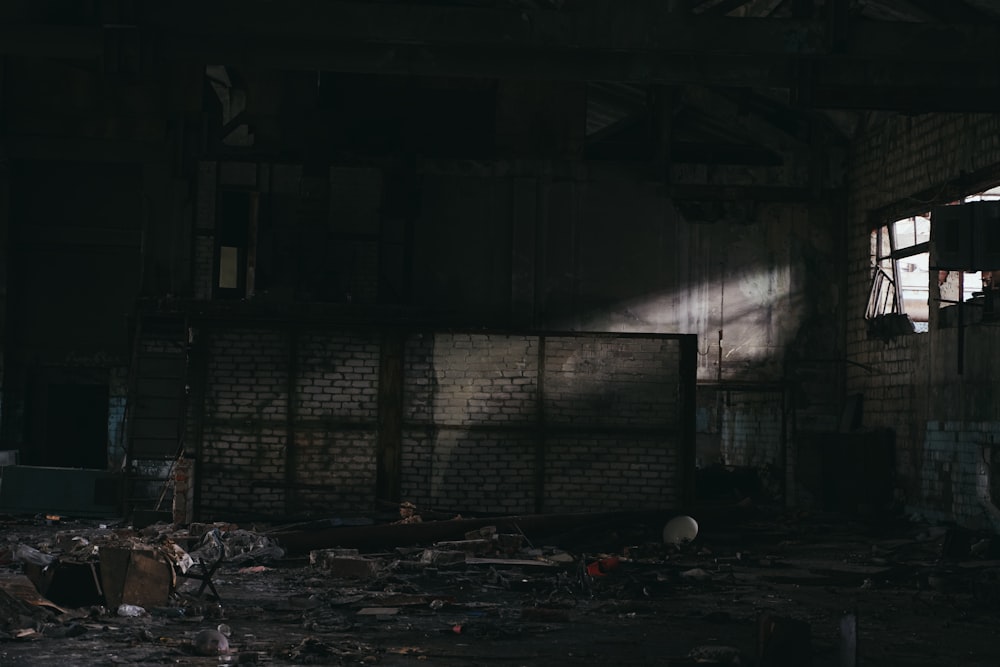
(76, 428)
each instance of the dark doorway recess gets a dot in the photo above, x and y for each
(76, 432)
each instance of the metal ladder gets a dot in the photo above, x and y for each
(155, 410)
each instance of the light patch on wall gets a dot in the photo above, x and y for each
(229, 270)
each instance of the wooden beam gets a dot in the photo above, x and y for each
(753, 126)
(594, 41)
(721, 153)
(698, 35)
(194, 29)
(950, 12)
(51, 41)
(757, 193)
(912, 99)
(722, 7)
(88, 150)
(761, 8)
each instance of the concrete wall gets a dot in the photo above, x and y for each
(942, 416)
(592, 252)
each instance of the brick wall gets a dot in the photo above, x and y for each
(482, 471)
(467, 399)
(598, 429)
(243, 442)
(336, 408)
(481, 430)
(610, 472)
(612, 382)
(955, 473)
(903, 168)
(247, 466)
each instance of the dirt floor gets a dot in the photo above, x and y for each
(921, 595)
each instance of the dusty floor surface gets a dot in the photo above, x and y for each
(656, 605)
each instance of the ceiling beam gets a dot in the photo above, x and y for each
(195, 28)
(756, 193)
(587, 40)
(731, 115)
(720, 7)
(952, 12)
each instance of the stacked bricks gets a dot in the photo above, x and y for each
(482, 379)
(479, 421)
(956, 473)
(611, 382)
(484, 471)
(336, 410)
(468, 399)
(607, 473)
(337, 378)
(474, 437)
(246, 405)
(335, 469)
(602, 397)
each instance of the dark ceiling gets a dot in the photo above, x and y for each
(765, 85)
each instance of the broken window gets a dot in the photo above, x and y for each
(902, 290)
(897, 303)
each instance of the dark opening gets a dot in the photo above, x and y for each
(233, 244)
(76, 432)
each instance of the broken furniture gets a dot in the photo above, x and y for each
(206, 560)
(133, 576)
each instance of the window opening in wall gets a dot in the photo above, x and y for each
(967, 259)
(897, 303)
(236, 244)
(901, 287)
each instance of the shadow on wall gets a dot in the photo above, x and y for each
(853, 473)
(598, 428)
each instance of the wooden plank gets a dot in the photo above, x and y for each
(20, 587)
(134, 577)
(509, 561)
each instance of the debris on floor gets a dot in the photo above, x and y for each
(768, 590)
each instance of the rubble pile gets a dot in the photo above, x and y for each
(467, 591)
